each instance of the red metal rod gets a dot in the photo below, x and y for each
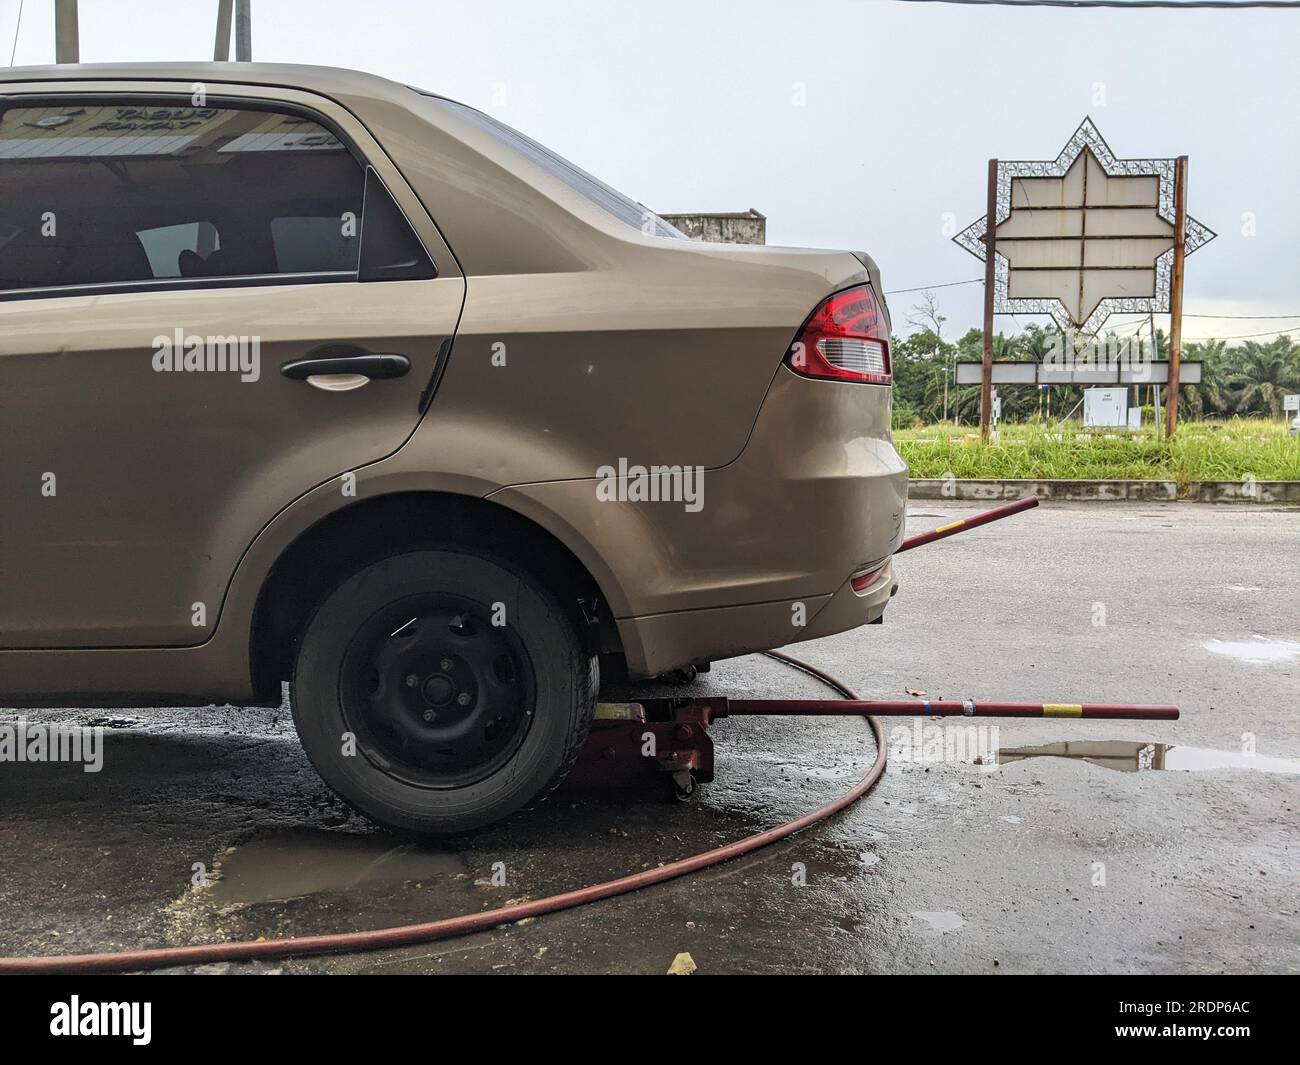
(946, 708)
(953, 528)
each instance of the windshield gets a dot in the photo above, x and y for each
(593, 189)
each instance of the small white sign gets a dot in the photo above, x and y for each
(1105, 408)
(1291, 402)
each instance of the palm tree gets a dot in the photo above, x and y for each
(1265, 373)
(1211, 395)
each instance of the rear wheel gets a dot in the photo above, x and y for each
(441, 690)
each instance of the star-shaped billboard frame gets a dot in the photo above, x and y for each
(1086, 138)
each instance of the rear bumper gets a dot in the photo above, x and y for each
(817, 496)
(662, 642)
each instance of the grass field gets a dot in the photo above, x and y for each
(1201, 451)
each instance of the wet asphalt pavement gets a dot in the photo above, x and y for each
(1041, 864)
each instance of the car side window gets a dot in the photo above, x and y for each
(128, 194)
(304, 243)
(165, 245)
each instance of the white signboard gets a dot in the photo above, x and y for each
(1079, 373)
(1291, 403)
(1105, 408)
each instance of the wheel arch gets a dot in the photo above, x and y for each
(341, 542)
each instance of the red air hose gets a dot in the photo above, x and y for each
(404, 935)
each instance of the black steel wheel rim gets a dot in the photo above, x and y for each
(435, 693)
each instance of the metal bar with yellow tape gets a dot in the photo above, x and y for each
(944, 708)
(965, 524)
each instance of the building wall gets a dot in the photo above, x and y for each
(748, 227)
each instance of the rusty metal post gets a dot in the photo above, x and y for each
(1176, 297)
(67, 45)
(990, 242)
(221, 52)
(243, 31)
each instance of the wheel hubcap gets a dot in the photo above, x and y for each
(439, 689)
(436, 694)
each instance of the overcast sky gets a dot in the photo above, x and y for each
(861, 124)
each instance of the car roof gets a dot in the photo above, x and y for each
(327, 81)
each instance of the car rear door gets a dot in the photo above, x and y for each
(209, 305)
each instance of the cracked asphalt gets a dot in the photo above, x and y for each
(208, 824)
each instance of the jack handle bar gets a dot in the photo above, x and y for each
(953, 528)
(946, 708)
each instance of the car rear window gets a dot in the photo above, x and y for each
(622, 207)
(110, 193)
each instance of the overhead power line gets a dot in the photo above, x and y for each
(1221, 5)
(1241, 336)
(924, 288)
(18, 25)
(1245, 317)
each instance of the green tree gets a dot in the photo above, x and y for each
(1210, 398)
(1242, 379)
(1263, 375)
(919, 365)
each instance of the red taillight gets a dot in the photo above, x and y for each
(845, 339)
(863, 581)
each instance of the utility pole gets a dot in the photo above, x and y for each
(67, 46)
(990, 240)
(221, 53)
(1176, 297)
(243, 31)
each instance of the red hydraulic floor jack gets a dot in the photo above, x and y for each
(670, 737)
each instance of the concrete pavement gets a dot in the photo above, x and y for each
(1045, 864)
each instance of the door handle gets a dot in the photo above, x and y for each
(337, 382)
(345, 372)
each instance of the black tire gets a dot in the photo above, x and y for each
(494, 717)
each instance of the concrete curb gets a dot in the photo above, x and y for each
(1244, 491)
(1109, 491)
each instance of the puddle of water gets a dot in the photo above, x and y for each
(1130, 757)
(940, 921)
(1257, 650)
(291, 865)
